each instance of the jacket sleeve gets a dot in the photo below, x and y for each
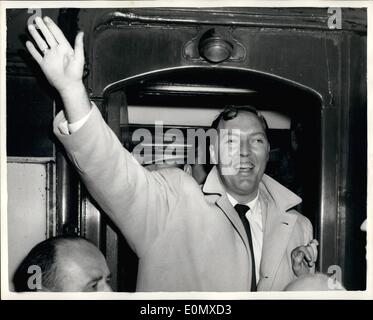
(139, 202)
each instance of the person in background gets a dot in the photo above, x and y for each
(63, 264)
(363, 226)
(314, 282)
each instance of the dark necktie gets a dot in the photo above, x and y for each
(241, 210)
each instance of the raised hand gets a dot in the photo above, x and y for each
(61, 64)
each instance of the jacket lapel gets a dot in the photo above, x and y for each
(277, 233)
(224, 204)
(275, 200)
(278, 228)
(213, 185)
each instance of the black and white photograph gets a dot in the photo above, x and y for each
(185, 149)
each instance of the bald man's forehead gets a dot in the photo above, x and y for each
(79, 252)
(68, 245)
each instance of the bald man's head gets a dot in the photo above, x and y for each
(314, 282)
(66, 263)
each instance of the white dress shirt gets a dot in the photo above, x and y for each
(254, 215)
(68, 128)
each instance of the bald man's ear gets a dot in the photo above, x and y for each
(188, 169)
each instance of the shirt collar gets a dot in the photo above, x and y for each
(253, 204)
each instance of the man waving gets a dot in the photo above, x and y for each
(239, 232)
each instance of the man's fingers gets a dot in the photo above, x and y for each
(35, 53)
(46, 33)
(56, 32)
(299, 257)
(304, 257)
(305, 253)
(79, 47)
(42, 45)
(313, 247)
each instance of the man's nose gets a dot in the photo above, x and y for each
(245, 149)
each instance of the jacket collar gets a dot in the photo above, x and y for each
(215, 192)
(213, 184)
(280, 195)
(269, 188)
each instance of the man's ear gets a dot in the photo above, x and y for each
(268, 151)
(188, 169)
(213, 157)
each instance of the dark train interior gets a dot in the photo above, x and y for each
(183, 65)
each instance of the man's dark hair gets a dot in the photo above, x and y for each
(231, 112)
(44, 256)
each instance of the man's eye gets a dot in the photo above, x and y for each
(258, 140)
(94, 286)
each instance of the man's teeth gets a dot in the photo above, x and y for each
(248, 165)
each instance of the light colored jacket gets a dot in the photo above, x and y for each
(187, 238)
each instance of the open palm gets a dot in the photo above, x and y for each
(61, 64)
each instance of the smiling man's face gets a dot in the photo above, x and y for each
(245, 151)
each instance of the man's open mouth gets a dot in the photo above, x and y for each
(246, 166)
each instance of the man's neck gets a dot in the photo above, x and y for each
(243, 199)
